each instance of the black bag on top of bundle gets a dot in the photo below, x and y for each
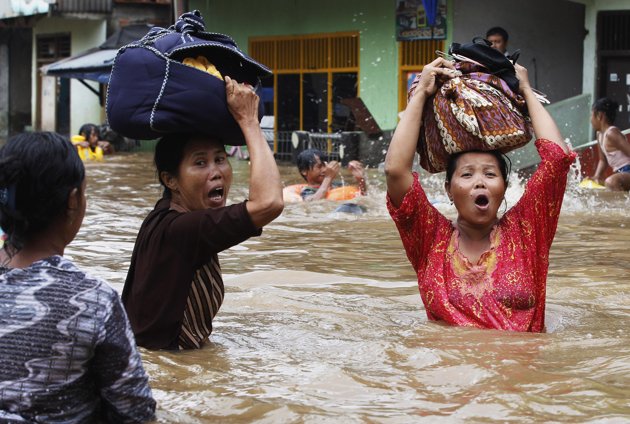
(494, 62)
(151, 93)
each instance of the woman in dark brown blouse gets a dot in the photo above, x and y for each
(174, 286)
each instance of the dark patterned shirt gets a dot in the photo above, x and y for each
(67, 353)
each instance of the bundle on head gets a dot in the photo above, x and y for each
(480, 110)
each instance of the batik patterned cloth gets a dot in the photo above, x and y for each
(476, 111)
(506, 288)
(67, 352)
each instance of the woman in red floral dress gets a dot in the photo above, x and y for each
(481, 270)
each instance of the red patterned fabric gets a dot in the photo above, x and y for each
(476, 111)
(505, 289)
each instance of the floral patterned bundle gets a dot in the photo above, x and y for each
(476, 111)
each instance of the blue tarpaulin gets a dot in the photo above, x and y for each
(430, 7)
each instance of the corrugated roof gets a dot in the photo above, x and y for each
(83, 6)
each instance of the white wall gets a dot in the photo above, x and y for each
(84, 34)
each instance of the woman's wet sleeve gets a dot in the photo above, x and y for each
(206, 232)
(417, 222)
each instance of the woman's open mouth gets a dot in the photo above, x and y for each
(482, 201)
(216, 195)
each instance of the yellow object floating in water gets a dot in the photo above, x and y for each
(588, 183)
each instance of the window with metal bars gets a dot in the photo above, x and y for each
(83, 6)
(51, 47)
(613, 31)
(312, 74)
(339, 51)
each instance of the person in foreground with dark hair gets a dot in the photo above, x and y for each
(174, 286)
(498, 38)
(481, 270)
(614, 148)
(67, 351)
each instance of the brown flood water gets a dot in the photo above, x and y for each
(322, 321)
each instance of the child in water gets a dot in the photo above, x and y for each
(614, 148)
(320, 176)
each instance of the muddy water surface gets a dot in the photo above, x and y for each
(322, 320)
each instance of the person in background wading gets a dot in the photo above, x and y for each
(88, 143)
(174, 286)
(614, 148)
(498, 37)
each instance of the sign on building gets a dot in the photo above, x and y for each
(420, 20)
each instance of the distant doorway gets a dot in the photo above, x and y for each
(53, 94)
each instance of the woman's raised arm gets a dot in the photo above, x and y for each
(399, 159)
(265, 188)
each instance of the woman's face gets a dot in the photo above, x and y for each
(205, 176)
(596, 120)
(93, 138)
(477, 188)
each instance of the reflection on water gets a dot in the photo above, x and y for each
(322, 321)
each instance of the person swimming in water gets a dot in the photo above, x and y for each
(320, 175)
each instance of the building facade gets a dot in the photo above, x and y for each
(36, 33)
(322, 53)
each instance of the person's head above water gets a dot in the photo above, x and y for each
(311, 164)
(604, 109)
(498, 37)
(90, 133)
(194, 170)
(41, 186)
